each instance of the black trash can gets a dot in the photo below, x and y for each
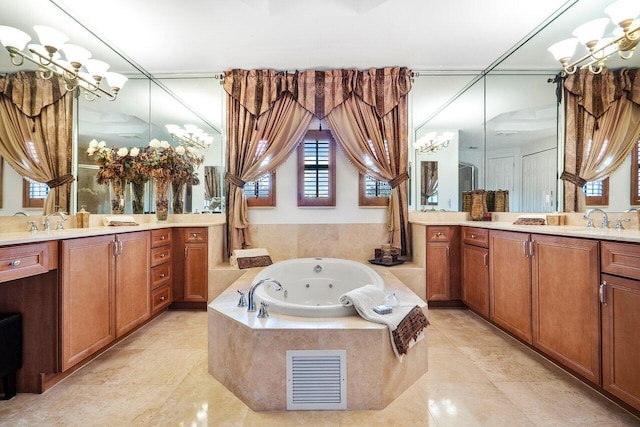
(10, 351)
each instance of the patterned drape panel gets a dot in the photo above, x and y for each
(377, 101)
(35, 132)
(602, 124)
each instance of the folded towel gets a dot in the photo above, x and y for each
(247, 258)
(405, 322)
(531, 219)
(119, 220)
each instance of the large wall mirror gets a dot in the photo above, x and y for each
(505, 120)
(140, 113)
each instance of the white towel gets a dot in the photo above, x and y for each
(119, 220)
(246, 253)
(369, 296)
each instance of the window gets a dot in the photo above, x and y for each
(33, 193)
(635, 175)
(373, 192)
(317, 169)
(597, 192)
(262, 191)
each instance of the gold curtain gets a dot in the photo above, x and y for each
(35, 132)
(257, 146)
(602, 124)
(377, 101)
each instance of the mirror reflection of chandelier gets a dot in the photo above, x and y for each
(46, 56)
(190, 136)
(432, 142)
(623, 14)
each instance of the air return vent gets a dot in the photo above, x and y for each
(316, 379)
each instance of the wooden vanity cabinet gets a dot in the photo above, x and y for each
(475, 269)
(510, 282)
(443, 265)
(620, 307)
(190, 267)
(565, 307)
(161, 270)
(104, 291)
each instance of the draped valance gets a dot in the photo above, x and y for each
(597, 92)
(318, 92)
(30, 93)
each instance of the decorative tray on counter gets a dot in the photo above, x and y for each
(386, 264)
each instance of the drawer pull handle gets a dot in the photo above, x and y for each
(162, 255)
(162, 298)
(438, 234)
(473, 236)
(15, 263)
(194, 235)
(162, 275)
(162, 237)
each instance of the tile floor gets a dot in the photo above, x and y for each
(158, 376)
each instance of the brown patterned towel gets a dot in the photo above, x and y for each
(409, 329)
(529, 221)
(121, 223)
(254, 261)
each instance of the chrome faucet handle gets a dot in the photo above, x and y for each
(32, 226)
(263, 310)
(59, 226)
(589, 222)
(619, 222)
(604, 223)
(46, 225)
(243, 301)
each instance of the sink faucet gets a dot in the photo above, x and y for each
(20, 213)
(47, 223)
(251, 303)
(605, 219)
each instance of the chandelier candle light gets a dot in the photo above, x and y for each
(432, 142)
(190, 136)
(623, 14)
(47, 56)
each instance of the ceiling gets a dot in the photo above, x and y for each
(204, 36)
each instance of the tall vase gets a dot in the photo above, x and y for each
(177, 189)
(162, 198)
(137, 201)
(117, 195)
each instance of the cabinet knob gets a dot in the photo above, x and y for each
(15, 263)
(194, 235)
(473, 236)
(438, 234)
(162, 298)
(162, 275)
(162, 255)
(162, 237)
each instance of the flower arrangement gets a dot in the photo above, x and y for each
(114, 162)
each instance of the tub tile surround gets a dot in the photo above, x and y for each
(247, 354)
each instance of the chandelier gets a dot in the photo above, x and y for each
(79, 71)
(623, 14)
(190, 136)
(432, 142)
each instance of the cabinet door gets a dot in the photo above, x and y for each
(87, 295)
(195, 272)
(438, 271)
(133, 282)
(475, 278)
(510, 282)
(621, 338)
(566, 319)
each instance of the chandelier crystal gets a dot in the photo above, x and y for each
(623, 14)
(432, 142)
(190, 136)
(77, 69)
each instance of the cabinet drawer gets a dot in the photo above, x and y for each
(17, 262)
(621, 259)
(438, 234)
(195, 235)
(476, 236)
(160, 254)
(160, 275)
(160, 298)
(160, 237)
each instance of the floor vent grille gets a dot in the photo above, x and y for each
(316, 379)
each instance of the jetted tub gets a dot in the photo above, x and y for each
(311, 287)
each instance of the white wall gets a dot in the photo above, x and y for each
(12, 193)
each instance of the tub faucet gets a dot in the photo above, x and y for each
(605, 219)
(47, 223)
(251, 304)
